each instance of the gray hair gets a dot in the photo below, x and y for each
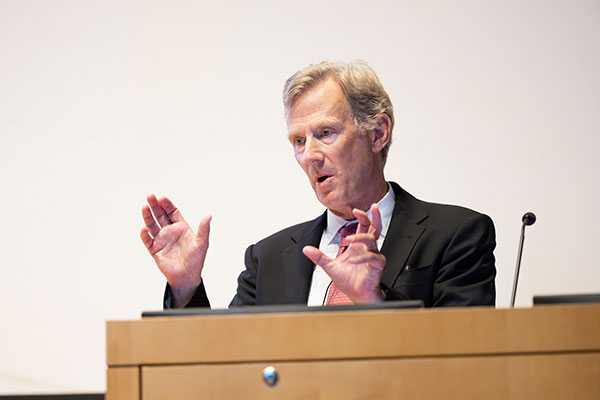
(364, 92)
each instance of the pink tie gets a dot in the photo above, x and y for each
(335, 296)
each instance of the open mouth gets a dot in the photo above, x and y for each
(322, 178)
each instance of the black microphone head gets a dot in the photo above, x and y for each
(529, 218)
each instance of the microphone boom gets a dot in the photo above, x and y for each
(528, 219)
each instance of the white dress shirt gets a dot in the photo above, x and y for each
(330, 243)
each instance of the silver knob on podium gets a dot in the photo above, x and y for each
(270, 376)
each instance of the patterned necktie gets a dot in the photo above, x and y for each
(335, 296)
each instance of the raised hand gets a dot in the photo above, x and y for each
(357, 272)
(176, 249)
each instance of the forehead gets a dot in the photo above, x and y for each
(325, 100)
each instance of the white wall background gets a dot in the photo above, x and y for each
(498, 109)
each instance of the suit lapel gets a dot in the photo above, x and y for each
(297, 268)
(403, 233)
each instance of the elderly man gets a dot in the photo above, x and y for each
(374, 242)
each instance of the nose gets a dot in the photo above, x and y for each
(312, 151)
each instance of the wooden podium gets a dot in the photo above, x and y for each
(545, 352)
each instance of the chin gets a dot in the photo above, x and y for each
(327, 202)
(338, 208)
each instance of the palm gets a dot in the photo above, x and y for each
(176, 249)
(178, 252)
(357, 272)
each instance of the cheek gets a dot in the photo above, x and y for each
(300, 161)
(361, 155)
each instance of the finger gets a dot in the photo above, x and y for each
(363, 221)
(365, 238)
(172, 212)
(315, 255)
(158, 211)
(368, 259)
(204, 227)
(146, 238)
(149, 221)
(376, 224)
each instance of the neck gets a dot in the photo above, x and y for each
(373, 194)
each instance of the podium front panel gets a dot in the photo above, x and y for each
(468, 353)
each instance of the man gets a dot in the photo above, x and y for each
(340, 122)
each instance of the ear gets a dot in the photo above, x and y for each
(380, 136)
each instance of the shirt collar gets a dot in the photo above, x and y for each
(386, 207)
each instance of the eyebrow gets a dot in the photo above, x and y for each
(330, 122)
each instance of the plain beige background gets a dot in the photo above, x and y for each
(497, 107)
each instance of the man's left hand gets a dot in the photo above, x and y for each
(356, 272)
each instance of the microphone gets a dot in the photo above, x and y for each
(528, 219)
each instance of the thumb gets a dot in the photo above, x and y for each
(204, 227)
(315, 255)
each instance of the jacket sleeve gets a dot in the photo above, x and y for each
(199, 299)
(246, 290)
(466, 273)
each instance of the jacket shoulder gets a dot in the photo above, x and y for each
(295, 233)
(435, 214)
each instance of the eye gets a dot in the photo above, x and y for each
(326, 135)
(299, 141)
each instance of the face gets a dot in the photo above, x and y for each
(336, 156)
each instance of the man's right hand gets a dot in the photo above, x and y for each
(176, 249)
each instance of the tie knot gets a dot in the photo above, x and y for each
(347, 230)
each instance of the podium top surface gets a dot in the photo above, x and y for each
(353, 335)
(388, 305)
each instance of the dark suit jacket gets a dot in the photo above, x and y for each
(438, 253)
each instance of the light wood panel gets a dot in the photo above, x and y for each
(386, 333)
(123, 383)
(531, 353)
(557, 376)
